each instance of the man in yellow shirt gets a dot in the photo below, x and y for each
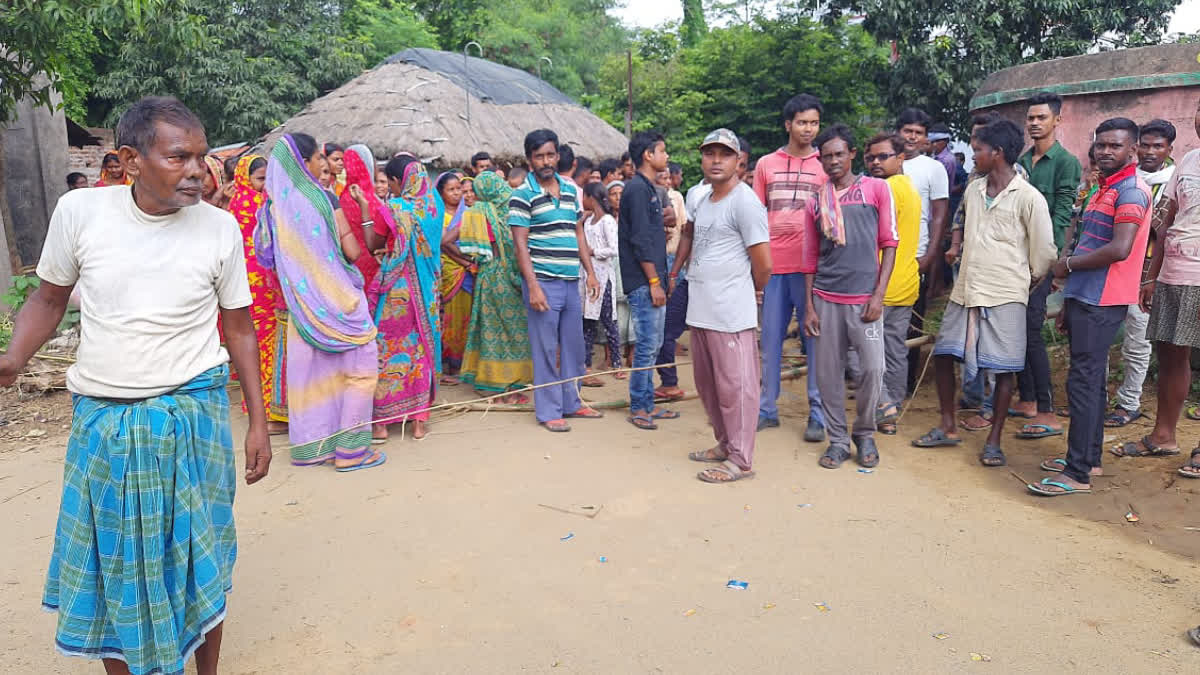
(884, 157)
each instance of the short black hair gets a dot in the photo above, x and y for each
(674, 168)
(137, 126)
(895, 139)
(625, 157)
(583, 164)
(1157, 127)
(74, 176)
(982, 119)
(566, 157)
(517, 169)
(307, 145)
(256, 164)
(396, 166)
(1092, 152)
(1047, 98)
(1119, 124)
(330, 148)
(744, 144)
(913, 116)
(799, 103)
(608, 166)
(939, 127)
(537, 138)
(835, 131)
(1002, 135)
(479, 157)
(642, 142)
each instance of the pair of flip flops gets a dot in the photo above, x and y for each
(645, 421)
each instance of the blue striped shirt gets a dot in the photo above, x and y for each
(551, 223)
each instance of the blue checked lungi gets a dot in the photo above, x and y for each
(145, 543)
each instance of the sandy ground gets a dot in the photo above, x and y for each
(444, 561)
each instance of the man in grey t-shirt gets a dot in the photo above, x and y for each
(730, 265)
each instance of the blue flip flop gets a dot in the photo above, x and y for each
(1046, 431)
(1038, 489)
(364, 464)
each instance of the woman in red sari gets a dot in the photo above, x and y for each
(362, 206)
(112, 172)
(248, 197)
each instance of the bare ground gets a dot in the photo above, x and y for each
(445, 560)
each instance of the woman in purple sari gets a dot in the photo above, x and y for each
(331, 352)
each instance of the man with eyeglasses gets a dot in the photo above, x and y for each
(786, 181)
(885, 159)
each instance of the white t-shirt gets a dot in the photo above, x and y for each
(150, 289)
(930, 179)
(720, 283)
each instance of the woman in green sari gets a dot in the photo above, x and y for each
(497, 356)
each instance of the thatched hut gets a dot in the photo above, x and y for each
(417, 101)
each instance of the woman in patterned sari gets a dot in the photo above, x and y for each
(497, 354)
(410, 340)
(248, 180)
(458, 278)
(364, 209)
(331, 352)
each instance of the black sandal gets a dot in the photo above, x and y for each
(868, 454)
(1192, 468)
(992, 455)
(1119, 417)
(1194, 634)
(834, 456)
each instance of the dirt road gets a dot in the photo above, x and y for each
(443, 560)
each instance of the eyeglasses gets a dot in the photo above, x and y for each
(880, 157)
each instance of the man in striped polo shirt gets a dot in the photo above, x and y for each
(550, 246)
(1103, 274)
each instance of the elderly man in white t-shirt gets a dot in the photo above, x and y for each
(145, 545)
(730, 265)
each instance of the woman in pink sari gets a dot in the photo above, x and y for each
(410, 341)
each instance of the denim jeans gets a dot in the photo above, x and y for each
(648, 322)
(785, 294)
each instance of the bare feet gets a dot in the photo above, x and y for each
(419, 430)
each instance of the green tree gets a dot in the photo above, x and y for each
(388, 26)
(53, 37)
(740, 76)
(693, 27)
(947, 47)
(454, 22)
(251, 68)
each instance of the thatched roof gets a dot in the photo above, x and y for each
(401, 105)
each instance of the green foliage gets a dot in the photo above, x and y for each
(55, 37)
(22, 287)
(694, 26)
(575, 34)
(243, 70)
(947, 47)
(387, 27)
(740, 77)
(453, 22)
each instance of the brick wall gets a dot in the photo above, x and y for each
(86, 160)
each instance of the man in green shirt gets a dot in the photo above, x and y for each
(1055, 173)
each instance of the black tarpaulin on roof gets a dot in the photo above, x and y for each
(483, 79)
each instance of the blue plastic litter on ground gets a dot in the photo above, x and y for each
(866, 470)
(570, 535)
(737, 585)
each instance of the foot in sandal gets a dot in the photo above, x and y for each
(725, 472)
(1059, 486)
(366, 461)
(1057, 464)
(709, 455)
(1144, 448)
(1192, 468)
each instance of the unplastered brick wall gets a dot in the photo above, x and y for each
(86, 160)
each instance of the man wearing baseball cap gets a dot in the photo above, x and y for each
(728, 244)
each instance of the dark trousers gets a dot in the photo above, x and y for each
(612, 335)
(915, 327)
(1091, 331)
(676, 324)
(1034, 381)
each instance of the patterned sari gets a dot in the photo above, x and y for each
(410, 340)
(331, 353)
(360, 165)
(264, 286)
(457, 284)
(497, 354)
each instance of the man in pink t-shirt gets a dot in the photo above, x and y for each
(856, 243)
(786, 181)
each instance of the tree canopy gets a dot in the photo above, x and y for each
(946, 48)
